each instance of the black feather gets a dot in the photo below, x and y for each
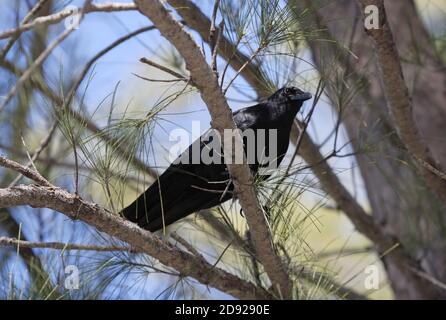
(187, 188)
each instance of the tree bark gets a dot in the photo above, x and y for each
(401, 204)
(143, 241)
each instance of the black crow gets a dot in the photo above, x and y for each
(186, 186)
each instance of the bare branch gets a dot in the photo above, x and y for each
(221, 28)
(198, 21)
(28, 17)
(80, 118)
(36, 64)
(212, 41)
(308, 150)
(31, 174)
(5, 242)
(42, 57)
(430, 278)
(141, 240)
(187, 245)
(100, 54)
(400, 103)
(163, 68)
(59, 16)
(242, 68)
(213, 29)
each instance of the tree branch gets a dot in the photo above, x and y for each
(140, 240)
(12, 242)
(27, 172)
(36, 64)
(205, 80)
(80, 118)
(362, 221)
(43, 144)
(197, 20)
(28, 17)
(99, 55)
(42, 57)
(400, 103)
(59, 16)
(308, 150)
(163, 68)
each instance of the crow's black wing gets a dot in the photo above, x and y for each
(251, 117)
(185, 188)
(182, 189)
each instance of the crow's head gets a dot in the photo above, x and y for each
(289, 95)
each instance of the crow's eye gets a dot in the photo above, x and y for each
(288, 91)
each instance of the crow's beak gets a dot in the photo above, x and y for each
(301, 96)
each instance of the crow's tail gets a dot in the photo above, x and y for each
(143, 211)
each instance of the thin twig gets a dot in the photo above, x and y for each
(431, 168)
(212, 41)
(213, 29)
(400, 103)
(229, 60)
(157, 80)
(318, 94)
(429, 278)
(42, 57)
(163, 68)
(221, 28)
(75, 207)
(59, 16)
(14, 37)
(187, 245)
(239, 71)
(31, 174)
(36, 64)
(206, 82)
(100, 54)
(5, 241)
(43, 144)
